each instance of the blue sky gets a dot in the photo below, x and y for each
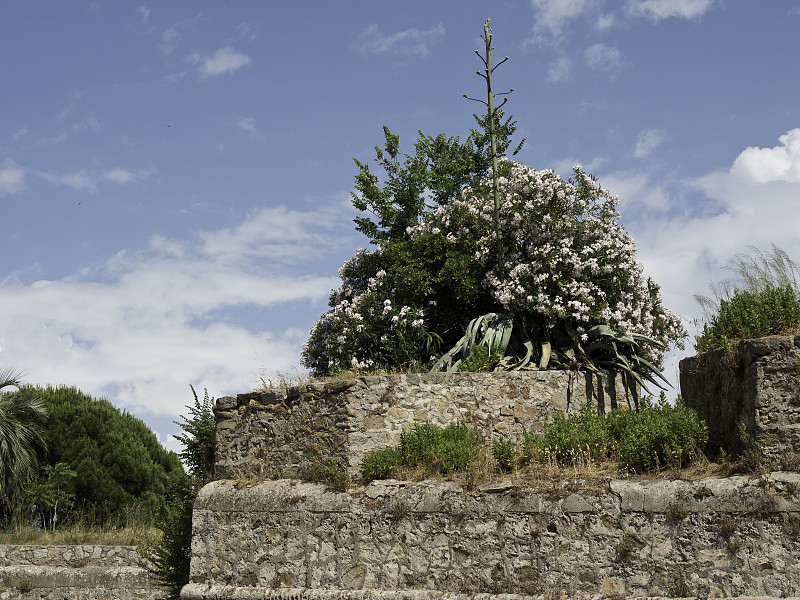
(175, 177)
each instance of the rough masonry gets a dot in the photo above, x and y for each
(737, 536)
(758, 386)
(83, 572)
(281, 432)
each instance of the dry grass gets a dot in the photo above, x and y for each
(112, 536)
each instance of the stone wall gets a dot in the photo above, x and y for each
(279, 432)
(737, 536)
(85, 572)
(757, 385)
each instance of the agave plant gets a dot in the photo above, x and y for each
(495, 331)
(604, 349)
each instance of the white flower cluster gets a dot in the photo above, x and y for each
(565, 255)
(566, 259)
(347, 334)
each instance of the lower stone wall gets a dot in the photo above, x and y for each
(757, 386)
(737, 536)
(83, 572)
(280, 431)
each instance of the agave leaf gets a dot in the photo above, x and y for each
(545, 359)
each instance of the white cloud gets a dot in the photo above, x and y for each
(648, 140)
(559, 70)
(658, 10)
(409, 42)
(144, 324)
(80, 181)
(551, 16)
(87, 124)
(687, 230)
(781, 163)
(144, 13)
(248, 125)
(224, 60)
(603, 58)
(12, 178)
(170, 39)
(20, 133)
(122, 176)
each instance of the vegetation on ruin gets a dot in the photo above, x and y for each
(658, 437)
(541, 265)
(763, 299)
(168, 558)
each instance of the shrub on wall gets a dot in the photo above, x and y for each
(568, 265)
(762, 300)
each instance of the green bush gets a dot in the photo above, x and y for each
(657, 436)
(481, 360)
(446, 449)
(169, 558)
(380, 464)
(443, 450)
(504, 453)
(749, 315)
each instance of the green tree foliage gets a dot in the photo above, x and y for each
(169, 559)
(439, 169)
(52, 494)
(22, 437)
(119, 462)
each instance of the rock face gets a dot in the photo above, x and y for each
(279, 432)
(757, 386)
(737, 536)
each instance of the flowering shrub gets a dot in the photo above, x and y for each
(567, 265)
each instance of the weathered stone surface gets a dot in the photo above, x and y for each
(346, 419)
(85, 572)
(713, 537)
(758, 387)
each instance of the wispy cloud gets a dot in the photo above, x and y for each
(19, 134)
(170, 39)
(12, 178)
(658, 10)
(144, 13)
(144, 324)
(224, 60)
(248, 125)
(89, 181)
(122, 176)
(647, 141)
(409, 42)
(80, 181)
(601, 57)
(87, 124)
(551, 17)
(559, 70)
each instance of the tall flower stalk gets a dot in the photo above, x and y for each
(492, 121)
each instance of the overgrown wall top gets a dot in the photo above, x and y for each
(280, 431)
(757, 385)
